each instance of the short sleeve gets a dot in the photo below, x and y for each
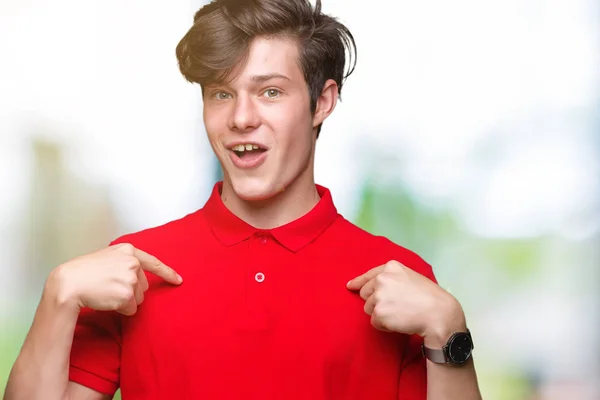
(413, 372)
(96, 351)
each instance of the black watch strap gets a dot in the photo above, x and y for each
(437, 356)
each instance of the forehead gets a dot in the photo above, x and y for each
(270, 56)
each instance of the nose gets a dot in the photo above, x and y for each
(244, 116)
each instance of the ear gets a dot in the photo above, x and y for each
(326, 102)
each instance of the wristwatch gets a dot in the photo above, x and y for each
(457, 350)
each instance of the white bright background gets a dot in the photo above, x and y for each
(435, 81)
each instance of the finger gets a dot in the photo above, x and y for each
(358, 282)
(142, 280)
(154, 265)
(129, 308)
(139, 294)
(377, 324)
(368, 288)
(370, 305)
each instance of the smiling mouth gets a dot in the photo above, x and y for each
(247, 150)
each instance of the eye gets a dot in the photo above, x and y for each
(272, 93)
(221, 96)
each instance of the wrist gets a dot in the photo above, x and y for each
(448, 319)
(58, 292)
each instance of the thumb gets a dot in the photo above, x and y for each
(129, 309)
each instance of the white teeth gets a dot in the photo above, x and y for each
(244, 147)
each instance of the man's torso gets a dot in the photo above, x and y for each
(259, 318)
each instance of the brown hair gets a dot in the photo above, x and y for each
(223, 29)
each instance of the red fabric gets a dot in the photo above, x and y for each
(294, 332)
(98, 341)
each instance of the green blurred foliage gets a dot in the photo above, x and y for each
(393, 211)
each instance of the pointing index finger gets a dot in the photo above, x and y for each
(152, 264)
(358, 282)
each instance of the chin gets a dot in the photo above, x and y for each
(253, 189)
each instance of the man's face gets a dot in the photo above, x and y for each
(260, 125)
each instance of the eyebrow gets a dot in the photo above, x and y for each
(268, 77)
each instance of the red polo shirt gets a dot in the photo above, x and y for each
(261, 314)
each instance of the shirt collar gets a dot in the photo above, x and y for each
(230, 229)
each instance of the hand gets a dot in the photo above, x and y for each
(401, 300)
(111, 279)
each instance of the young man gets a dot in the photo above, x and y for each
(281, 297)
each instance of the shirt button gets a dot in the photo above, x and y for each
(259, 277)
(263, 237)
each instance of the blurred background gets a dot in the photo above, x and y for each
(469, 133)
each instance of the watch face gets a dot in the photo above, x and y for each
(460, 348)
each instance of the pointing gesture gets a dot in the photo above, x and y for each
(401, 300)
(111, 279)
(150, 263)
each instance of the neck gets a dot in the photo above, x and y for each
(288, 205)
